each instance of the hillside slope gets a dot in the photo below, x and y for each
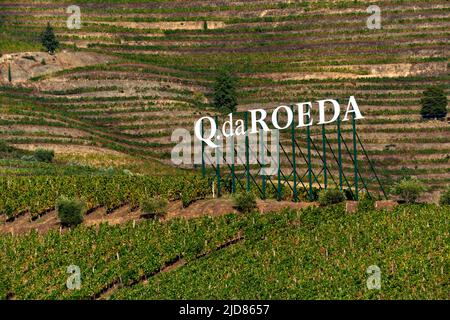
(162, 53)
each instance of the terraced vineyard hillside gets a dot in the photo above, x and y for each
(134, 71)
(309, 254)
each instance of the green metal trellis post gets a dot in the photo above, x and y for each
(232, 157)
(203, 152)
(217, 154)
(324, 157)
(279, 169)
(372, 167)
(339, 152)
(294, 165)
(308, 140)
(355, 155)
(247, 155)
(261, 156)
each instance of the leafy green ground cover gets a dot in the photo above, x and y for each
(35, 267)
(319, 254)
(37, 194)
(310, 254)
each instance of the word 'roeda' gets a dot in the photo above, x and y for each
(258, 116)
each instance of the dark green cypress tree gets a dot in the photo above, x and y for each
(9, 73)
(225, 96)
(49, 40)
(434, 103)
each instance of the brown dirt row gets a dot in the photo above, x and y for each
(70, 149)
(246, 41)
(349, 50)
(38, 138)
(211, 207)
(5, 116)
(265, 91)
(45, 4)
(249, 13)
(71, 132)
(308, 19)
(167, 116)
(159, 100)
(350, 85)
(63, 83)
(130, 107)
(189, 80)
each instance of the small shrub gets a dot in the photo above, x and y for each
(154, 208)
(349, 194)
(445, 197)
(408, 190)
(44, 155)
(366, 203)
(330, 196)
(70, 211)
(303, 194)
(43, 62)
(245, 202)
(186, 199)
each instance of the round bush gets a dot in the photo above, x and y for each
(330, 196)
(366, 203)
(44, 155)
(408, 190)
(70, 211)
(154, 208)
(245, 202)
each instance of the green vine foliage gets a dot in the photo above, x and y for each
(37, 194)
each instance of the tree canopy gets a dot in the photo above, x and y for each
(434, 103)
(49, 40)
(225, 96)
